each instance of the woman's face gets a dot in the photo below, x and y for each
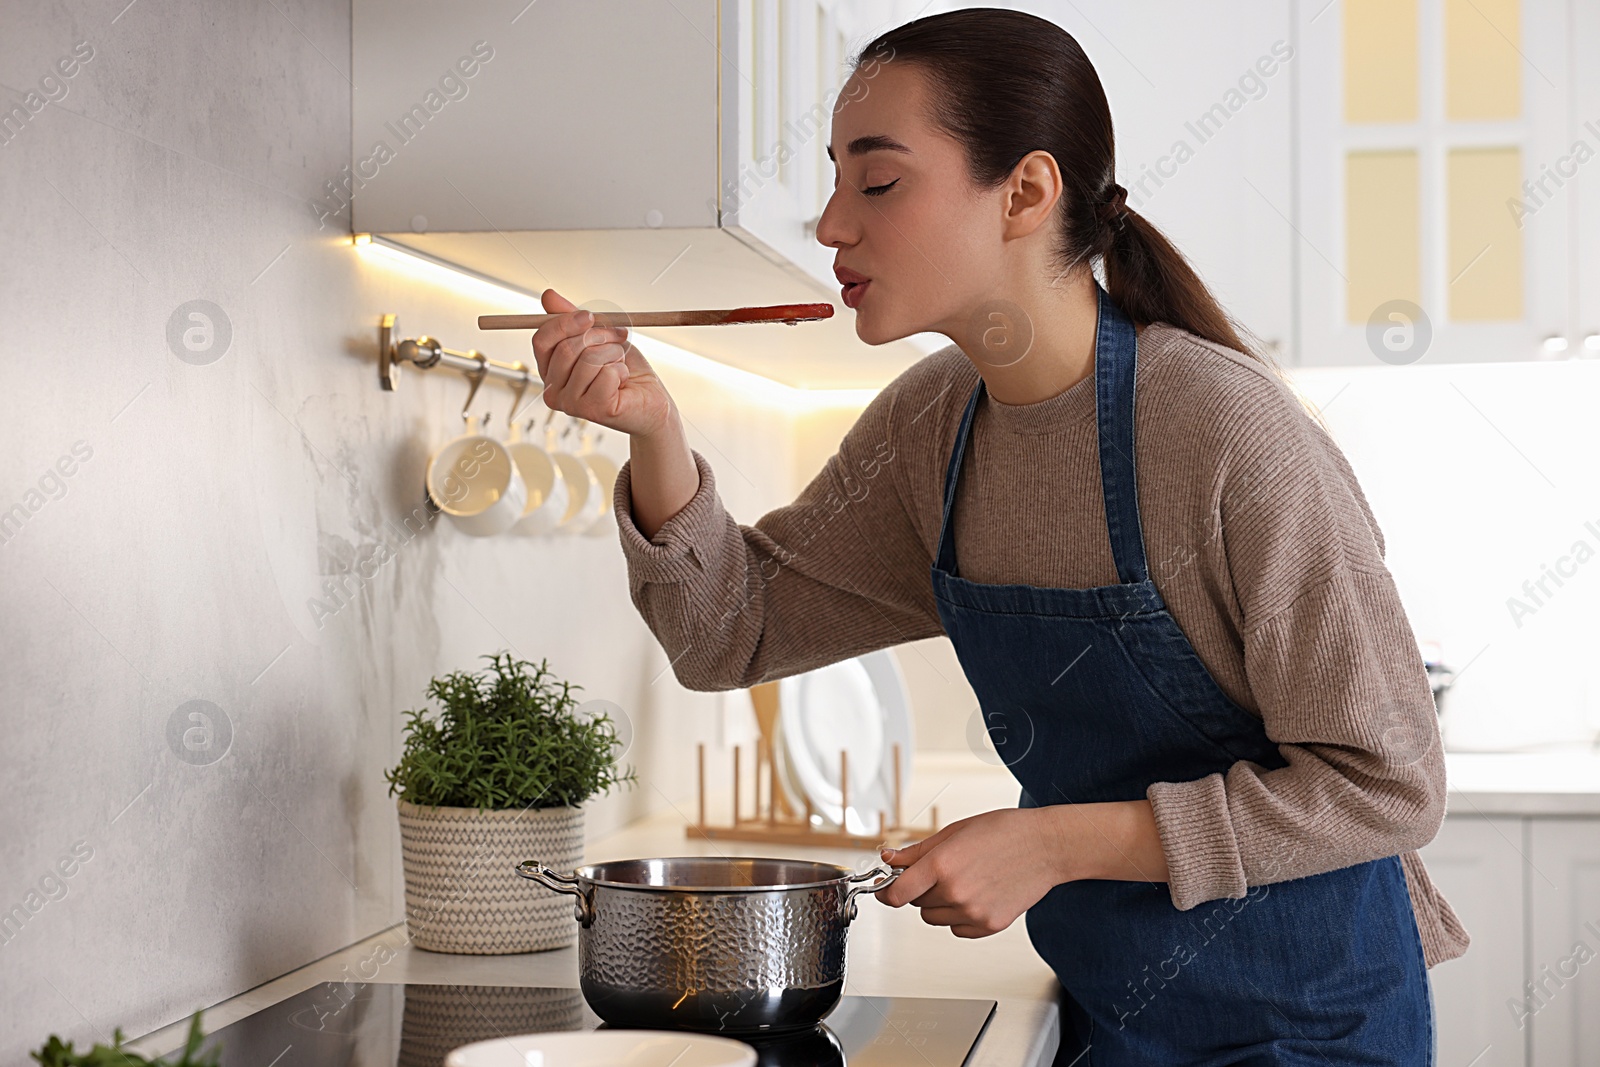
(904, 213)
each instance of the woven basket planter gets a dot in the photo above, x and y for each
(462, 892)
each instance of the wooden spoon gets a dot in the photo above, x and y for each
(789, 314)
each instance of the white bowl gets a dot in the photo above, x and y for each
(605, 1048)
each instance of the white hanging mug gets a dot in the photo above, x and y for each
(474, 480)
(605, 473)
(583, 488)
(547, 489)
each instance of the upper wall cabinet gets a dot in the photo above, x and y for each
(650, 154)
(1438, 143)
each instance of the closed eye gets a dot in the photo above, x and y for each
(879, 190)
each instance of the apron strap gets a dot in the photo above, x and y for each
(945, 559)
(1115, 351)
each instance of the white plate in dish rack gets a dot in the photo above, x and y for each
(859, 706)
(605, 1048)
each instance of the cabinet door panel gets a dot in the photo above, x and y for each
(1477, 863)
(1564, 892)
(578, 114)
(1484, 255)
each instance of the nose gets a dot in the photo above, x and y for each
(832, 228)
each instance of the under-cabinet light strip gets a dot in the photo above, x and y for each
(437, 271)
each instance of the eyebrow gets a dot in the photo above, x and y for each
(872, 142)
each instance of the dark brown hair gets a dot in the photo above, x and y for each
(1007, 83)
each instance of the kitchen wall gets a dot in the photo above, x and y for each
(1483, 480)
(176, 491)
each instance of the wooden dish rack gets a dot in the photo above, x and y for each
(779, 821)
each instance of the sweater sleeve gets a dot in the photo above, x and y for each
(837, 573)
(1333, 668)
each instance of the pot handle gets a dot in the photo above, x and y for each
(582, 907)
(877, 878)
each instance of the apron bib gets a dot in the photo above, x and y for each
(1093, 695)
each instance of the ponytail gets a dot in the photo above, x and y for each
(1149, 280)
(1008, 83)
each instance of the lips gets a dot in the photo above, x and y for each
(852, 285)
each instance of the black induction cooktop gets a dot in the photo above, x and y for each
(388, 1025)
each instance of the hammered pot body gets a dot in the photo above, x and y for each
(702, 957)
(718, 961)
(457, 896)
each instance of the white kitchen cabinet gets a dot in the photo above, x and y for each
(646, 153)
(1477, 863)
(776, 177)
(775, 166)
(592, 115)
(1408, 245)
(1202, 115)
(1563, 1003)
(1527, 992)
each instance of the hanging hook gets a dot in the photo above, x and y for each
(476, 378)
(517, 392)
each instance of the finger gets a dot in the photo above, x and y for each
(594, 358)
(948, 915)
(570, 349)
(569, 354)
(600, 397)
(938, 897)
(553, 301)
(637, 365)
(913, 882)
(958, 920)
(904, 856)
(909, 854)
(549, 336)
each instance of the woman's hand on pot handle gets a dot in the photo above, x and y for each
(978, 875)
(596, 373)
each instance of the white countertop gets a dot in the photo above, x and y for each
(891, 951)
(1523, 783)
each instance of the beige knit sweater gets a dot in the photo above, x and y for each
(1258, 538)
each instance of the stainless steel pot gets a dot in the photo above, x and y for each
(712, 943)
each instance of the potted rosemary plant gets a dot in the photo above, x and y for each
(58, 1053)
(498, 774)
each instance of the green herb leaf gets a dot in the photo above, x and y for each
(507, 736)
(56, 1053)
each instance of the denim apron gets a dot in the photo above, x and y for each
(1092, 695)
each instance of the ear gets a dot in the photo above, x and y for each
(1029, 196)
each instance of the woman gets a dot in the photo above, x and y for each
(1158, 573)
